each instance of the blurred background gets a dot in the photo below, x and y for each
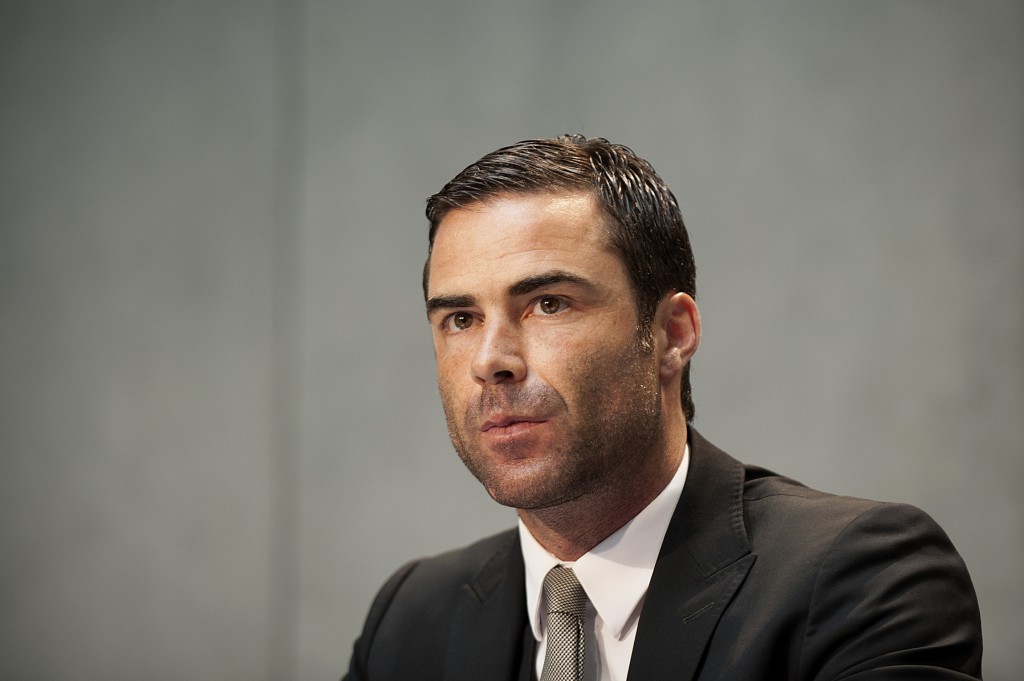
(219, 428)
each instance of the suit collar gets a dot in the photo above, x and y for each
(489, 631)
(703, 561)
(708, 521)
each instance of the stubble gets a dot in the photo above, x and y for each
(608, 428)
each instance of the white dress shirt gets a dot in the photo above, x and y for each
(615, 574)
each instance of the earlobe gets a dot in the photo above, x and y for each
(678, 323)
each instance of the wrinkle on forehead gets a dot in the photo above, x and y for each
(513, 228)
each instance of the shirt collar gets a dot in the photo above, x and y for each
(615, 573)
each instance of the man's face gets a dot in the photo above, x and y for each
(548, 390)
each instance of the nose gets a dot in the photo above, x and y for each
(499, 357)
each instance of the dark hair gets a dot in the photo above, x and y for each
(646, 227)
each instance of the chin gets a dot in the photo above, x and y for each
(528, 490)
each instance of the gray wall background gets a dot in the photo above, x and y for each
(219, 430)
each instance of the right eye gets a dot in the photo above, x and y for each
(458, 321)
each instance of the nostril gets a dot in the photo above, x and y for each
(503, 374)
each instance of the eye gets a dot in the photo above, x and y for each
(458, 321)
(550, 305)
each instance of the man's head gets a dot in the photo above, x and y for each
(644, 224)
(562, 392)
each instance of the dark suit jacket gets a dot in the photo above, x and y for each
(759, 577)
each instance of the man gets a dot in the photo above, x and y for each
(560, 292)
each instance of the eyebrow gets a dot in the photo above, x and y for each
(448, 303)
(519, 288)
(531, 284)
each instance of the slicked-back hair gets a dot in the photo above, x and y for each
(645, 226)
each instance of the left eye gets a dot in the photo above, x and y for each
(550, 305)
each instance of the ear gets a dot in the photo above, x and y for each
(677, 333)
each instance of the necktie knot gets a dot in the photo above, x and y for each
(567, 607)
(564, 592)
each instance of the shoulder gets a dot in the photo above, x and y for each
(782, 514)
(779, 509)
(824, 536)
(440, 577)
(874, 584)
(408, 623)
(837, 586)
(422, 589)
(445, 573)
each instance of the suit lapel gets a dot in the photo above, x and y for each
(703, 561)
(487, 637)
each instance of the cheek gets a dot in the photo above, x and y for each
(447, 384)
(448, 376)
(453, 403)
(619, 376)
(583, 369)
(452, 361)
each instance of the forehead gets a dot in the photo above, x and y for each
(514, 236)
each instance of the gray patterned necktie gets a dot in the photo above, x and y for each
(567, 606)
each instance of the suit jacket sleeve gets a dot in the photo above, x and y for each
(892, 600)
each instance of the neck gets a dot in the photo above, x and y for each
(573, 528)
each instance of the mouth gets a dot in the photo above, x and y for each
(501, 425)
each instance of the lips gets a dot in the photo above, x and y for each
(506, 423)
